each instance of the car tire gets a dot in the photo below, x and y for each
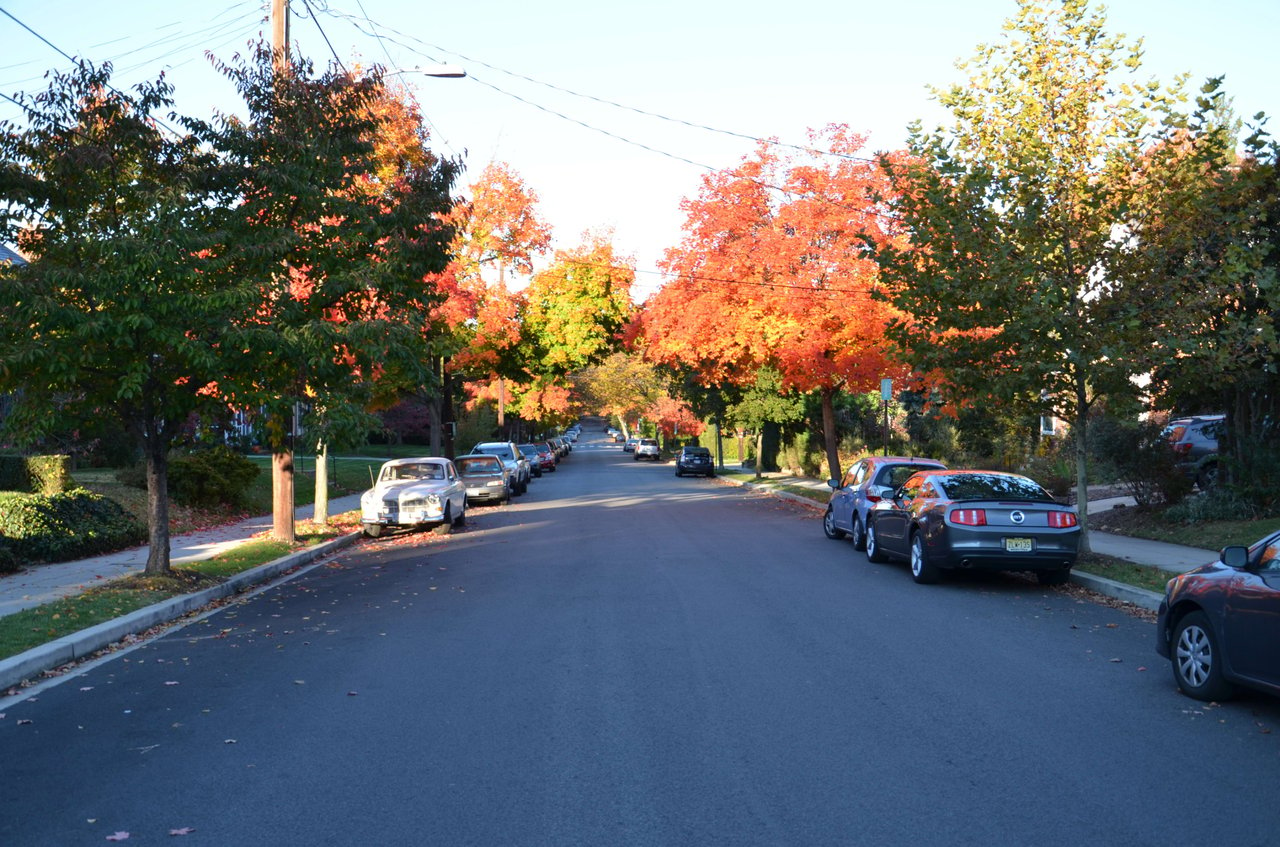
(923, 571)
(859, 534)
(679, 472)
(1196, 659)
(445, 526)
(372, 530)
(874, 553)
(1058, 577)
(829, 527)
(1207, 478)
(461, 520)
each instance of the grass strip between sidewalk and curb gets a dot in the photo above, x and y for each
(41, 625)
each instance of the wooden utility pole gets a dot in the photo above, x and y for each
(280, 34)
(282, 479)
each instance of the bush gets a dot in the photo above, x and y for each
(1055, 471)
(1217, 505)
(71, 525)
(1140, 453)
(40, 474)
(213, 477)
(8, 560)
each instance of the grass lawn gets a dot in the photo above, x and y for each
(1139, 576)
(42, 624)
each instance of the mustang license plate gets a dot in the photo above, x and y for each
(1019, 545)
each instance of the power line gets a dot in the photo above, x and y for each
(75, 61)
(324, 35)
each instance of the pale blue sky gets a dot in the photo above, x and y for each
(760, 69)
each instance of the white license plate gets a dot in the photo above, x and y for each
(1019, 545)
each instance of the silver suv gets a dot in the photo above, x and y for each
(647, 448)
(514, 461)
(1195, 446)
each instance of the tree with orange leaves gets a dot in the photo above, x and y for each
(774, 272)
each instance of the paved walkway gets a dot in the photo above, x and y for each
(44, 583)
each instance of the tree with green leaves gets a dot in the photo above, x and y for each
(1015, 277)
(120, 311)
(336, 245)
(1210, 227)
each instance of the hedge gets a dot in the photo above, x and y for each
(39, 474)
(71, 525)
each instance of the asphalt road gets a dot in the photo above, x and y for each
(626, 658)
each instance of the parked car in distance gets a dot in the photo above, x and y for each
(414, 492)
(868, 481)
(485, 478)
(545, 456)
(694, 460)
(1219, 625)
(517, 465)
(647, 448)
(617, 436)
(532, 453)
(629, 445)
(1195, 444)
(942, 520)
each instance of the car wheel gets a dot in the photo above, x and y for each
(506, 498)
(922, 571)
(446, 526)
(829, 525)
(461, 520)
(859, 534)
(874, 553)
(373, 530)
(552, 469)
(679, 472)
(635, 458)
(1197, 664)
(1053, 577)
(1208, 476)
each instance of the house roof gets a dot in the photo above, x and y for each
(8, 256)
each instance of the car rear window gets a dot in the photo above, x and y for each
(991, 486)
(478, 466)
(697, 451)
(894, 475)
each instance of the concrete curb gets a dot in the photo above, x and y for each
(1139, 597)
(16, 669)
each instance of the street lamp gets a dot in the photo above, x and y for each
(440, 71)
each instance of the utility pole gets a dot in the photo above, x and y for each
(282, 479)
(280, 34)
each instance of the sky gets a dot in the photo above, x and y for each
(737, 69)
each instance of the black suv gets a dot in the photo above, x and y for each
(696, 460)
(1195, 443)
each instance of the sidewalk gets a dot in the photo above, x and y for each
(38, 585)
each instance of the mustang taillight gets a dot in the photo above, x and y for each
(969, 517)
(1062, 520)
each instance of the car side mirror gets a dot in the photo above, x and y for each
(833, 483)
(1235, 557)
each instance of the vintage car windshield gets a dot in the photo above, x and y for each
(412, 472)
(985, 486)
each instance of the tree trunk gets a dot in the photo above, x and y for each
(157, 506)
(321, 515)
(759, 451)
(830, 442)
(1081, 436)
(446, 409)
(282, 526)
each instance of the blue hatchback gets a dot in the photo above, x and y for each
(868, 481)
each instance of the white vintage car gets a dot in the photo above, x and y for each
(415, 492)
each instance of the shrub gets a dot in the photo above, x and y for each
(1141, 456)
(1055, 471)
(70, 525)
(41, 474)
(8, 560)
(211, 477)
(1219, 504)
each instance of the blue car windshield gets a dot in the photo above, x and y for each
(990, 486)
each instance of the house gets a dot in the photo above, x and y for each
(10, 257)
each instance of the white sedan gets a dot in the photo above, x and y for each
(415, 492)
